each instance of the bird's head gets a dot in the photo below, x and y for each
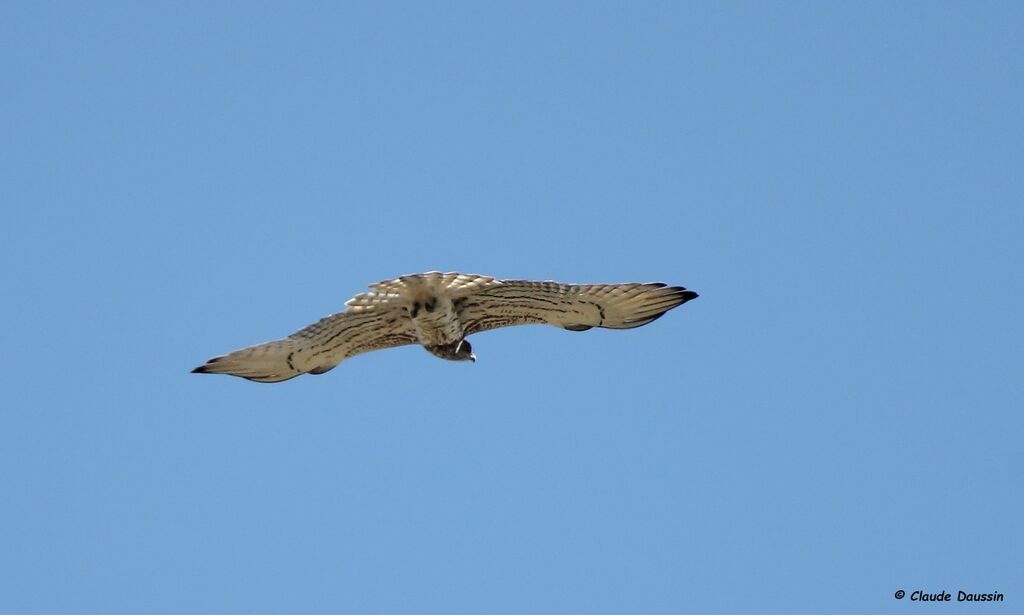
(464, 352)
(455, 351)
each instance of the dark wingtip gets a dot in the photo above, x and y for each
(205, 367)
(682, 294)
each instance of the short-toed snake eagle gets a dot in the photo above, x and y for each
(438, 310)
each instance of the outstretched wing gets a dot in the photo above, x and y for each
(576, 307)
(317, 348)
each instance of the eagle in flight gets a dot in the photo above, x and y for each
(438, 310)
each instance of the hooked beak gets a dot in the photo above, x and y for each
(472, 357)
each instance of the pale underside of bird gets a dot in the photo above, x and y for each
(438, 310)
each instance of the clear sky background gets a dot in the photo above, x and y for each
(837, 417)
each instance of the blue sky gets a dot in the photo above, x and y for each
(836, 418)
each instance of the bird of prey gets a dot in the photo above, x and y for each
(438, 310)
